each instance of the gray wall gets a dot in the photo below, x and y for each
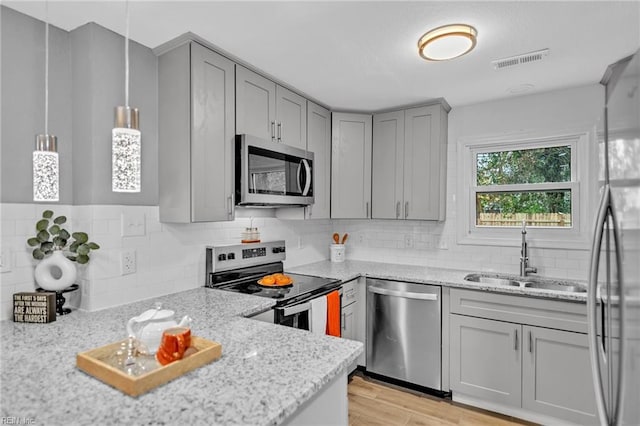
(22, 80)
(87, 82)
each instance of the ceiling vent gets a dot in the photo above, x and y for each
(525, 58)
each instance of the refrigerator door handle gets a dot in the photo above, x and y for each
(617, 405)
(595, 347)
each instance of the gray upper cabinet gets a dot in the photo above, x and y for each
(269, 111)
(255, 104)
(409, 164)
(319, 142)
(291, 115)
(387, 196)
(196, 134)
(351, 166)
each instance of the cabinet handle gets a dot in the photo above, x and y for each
(515, 341)
(230, 205)
(366, 210)
(280, 132)
(530, 342)
(406, 209)
(398, 210)
(273, 131)
(344, 321)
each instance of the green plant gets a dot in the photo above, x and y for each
(52, 237)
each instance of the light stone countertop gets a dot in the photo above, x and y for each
(266, 371)
(351, 269)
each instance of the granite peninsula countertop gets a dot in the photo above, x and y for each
(351, 269)
(265, 374)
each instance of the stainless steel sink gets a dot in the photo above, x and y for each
(525, 282)
(554, 286)
(479, 278)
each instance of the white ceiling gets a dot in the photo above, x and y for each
(363, 56)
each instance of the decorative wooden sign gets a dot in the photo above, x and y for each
(34, 307)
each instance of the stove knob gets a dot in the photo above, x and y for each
(231, 256)
(222, 257)
(275, 250)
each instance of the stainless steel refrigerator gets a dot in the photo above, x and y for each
(614, 279)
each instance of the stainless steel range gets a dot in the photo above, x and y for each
(238, 268)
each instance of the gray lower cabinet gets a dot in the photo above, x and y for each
(486, 359)
(348, 321)
(538, 369)
(556, 375)
(196, 134)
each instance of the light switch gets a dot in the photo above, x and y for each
(133, 224)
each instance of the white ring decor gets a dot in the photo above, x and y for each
(56, 272)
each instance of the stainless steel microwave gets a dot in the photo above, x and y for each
(272, 174)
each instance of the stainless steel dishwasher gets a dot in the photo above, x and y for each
(404, 333)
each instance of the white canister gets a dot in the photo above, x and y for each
(337, 252)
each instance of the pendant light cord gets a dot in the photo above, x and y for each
(126, 57)
(46, 69)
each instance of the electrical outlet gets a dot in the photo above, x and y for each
(5, 261)
(128, 262)
(408, 241)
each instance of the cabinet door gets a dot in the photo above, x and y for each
(351, 166)
(255, 104)
(212, 135)
(319, 142)
(556, 375)
(291, 113)
(424, 163)
(348, 321)
(486, 359)
(387, 165)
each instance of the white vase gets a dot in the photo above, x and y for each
(56, 272)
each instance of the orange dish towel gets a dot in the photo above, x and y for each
(333, 314)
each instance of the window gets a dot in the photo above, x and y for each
(527, 184)
(503, 182)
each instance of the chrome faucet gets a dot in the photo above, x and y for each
(524, 254)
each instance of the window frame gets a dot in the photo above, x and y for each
(575, 237)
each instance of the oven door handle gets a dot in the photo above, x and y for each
(304, 305)
(295, 309)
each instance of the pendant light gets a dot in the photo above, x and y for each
(126, 144)
(46, 176)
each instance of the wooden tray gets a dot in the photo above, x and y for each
(92, 362)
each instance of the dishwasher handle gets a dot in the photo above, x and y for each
(403, 294)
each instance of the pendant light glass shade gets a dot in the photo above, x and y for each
(126, 147)
(46, 173)
(125, 151)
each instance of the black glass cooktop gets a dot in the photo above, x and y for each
(246, 281)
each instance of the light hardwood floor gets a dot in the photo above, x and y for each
(372, 403)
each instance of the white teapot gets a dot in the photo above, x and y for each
(147, 327)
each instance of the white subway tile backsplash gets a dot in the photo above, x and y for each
(170, 257)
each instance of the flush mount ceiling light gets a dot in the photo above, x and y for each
(447, 42)
(125, 142)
